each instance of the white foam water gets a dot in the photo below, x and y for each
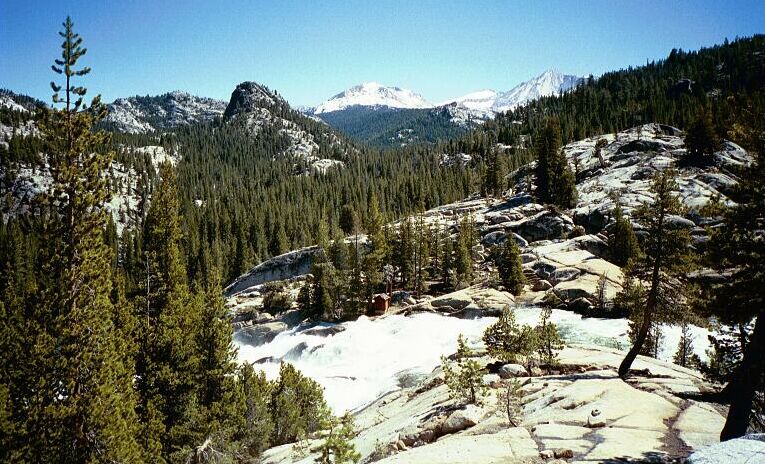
(368, 358)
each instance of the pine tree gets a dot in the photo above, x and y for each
(738, 247)
(555, 181)
(684, 356)
(508, 341)
(348, 219)
(168, 359)
(279, 243)
(494, 176)
(663, 265)
(87, 397)
(562, 182)
(466, 381)
(297, 406)
(701, 140)
(622, 242)
(254, 394)
(510, 267)
(379, 248)
(547, 338)
(337, 447)
(546, 146)
(404, 254)
(463, 262)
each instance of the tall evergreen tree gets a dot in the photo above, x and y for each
(664, 263)
(168, 359)
(83, 407)
(739, 248)
(701, 140)
(622, 242)
(510, 267)
(546, 145)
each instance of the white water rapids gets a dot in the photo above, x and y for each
(366, 360)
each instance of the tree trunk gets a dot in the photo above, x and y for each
(645, 326)
(745, 383)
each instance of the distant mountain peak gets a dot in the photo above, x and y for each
(138, 115)
(249, 95)
(484, 104)
(373, 94)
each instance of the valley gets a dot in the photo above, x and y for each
(568, 271)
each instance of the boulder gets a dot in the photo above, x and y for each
(512, 370)
(545, 226)
(324, 330)
(260, 334)
(494, 238)
(541, 286)
(580, 305)
(749, 448)
(452, 301)
(462, 419)
(594, 420)
(563, 274)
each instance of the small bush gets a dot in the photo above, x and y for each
(466, 381)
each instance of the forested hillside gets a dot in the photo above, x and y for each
(669, 91)
(395, 127)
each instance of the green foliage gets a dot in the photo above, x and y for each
(275, 298)
(381, 127)
(463, 259)
(684, 356)
(622, 242)
(663, 266)
(554, 180)
(508, 341)
(701, 141)
(337, 447)
(547, 338)
(635, 95)
(738, 249)
(254, 397)
(297, 406)
(494, 175)
(465, 380)
(510, 267)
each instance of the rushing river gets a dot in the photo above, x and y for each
(372, 357)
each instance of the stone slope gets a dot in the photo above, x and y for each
(647, 417)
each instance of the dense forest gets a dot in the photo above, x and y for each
(394, 127)
(117, 347)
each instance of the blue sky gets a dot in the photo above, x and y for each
(310, 50)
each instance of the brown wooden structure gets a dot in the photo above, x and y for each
(379, 304)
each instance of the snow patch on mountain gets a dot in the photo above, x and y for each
(375, 95)
(140, 115)
(258, 108)
(7, 102)
(485, 104)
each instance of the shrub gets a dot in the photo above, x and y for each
(547, 338)
(466, 381)
(337, 447)
(275, 298)
(507, 341)
(297, 406)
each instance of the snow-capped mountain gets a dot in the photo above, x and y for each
(548, 83)
(485, 104)
(138, 115)
(374, 95)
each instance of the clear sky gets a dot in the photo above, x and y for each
(311, 50)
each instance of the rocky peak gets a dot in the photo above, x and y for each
(250, 95)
